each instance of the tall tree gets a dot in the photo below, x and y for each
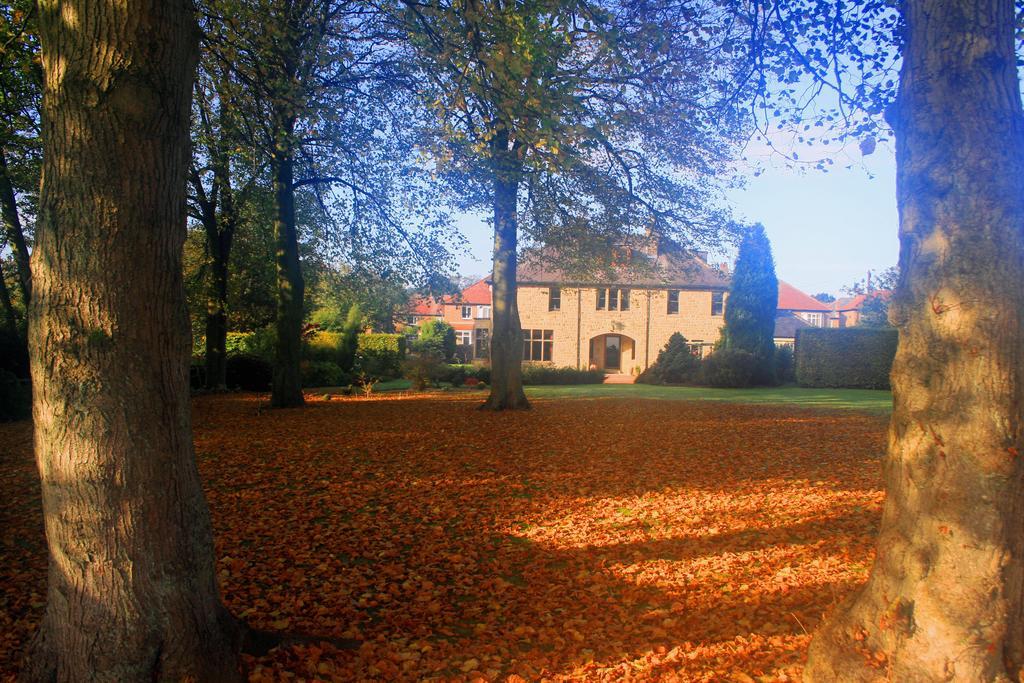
(217, 197)
(751, 307)
(572, 121)
(20, 89)
(325, 109)
(945, 599)
(132, 592)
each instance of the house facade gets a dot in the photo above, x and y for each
(617, 322)
(469, 312)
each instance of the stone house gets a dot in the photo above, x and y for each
(617, 322)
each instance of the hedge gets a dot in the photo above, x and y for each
(535, 375)
(380, 355)
(849, 358)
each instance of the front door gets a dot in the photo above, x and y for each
(612, 352)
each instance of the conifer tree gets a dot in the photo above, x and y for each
(753, 299)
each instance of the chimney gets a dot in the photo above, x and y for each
(724, 267)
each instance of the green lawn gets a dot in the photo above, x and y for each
(846, 399)
(856, 399)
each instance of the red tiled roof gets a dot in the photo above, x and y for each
(792, 299)
(855, 303)
(477, 293)
(424, 305)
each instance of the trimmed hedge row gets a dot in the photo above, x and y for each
(536, 375)
(848, 358)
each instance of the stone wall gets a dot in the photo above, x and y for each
(647, 323)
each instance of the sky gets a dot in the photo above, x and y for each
(826, 229)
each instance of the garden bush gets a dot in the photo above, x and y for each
(784, 369)
(15, 397)
(545, 375)
(850, 358)
(332, 347)
(259, 343)
(323, 373)
(437, 337)
(676, 364)
(425, 369)
(380, 355)
(248, 372)
(728, 368)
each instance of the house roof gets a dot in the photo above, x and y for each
(668, 267)
(792, 299)
(424, 305)
(855, 303)
(478, 293)
(787, 324)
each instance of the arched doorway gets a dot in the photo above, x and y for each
(612, 352)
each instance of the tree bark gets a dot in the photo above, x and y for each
(286, 389)
(15, 233)
(507, 334)
(944, 599)
(132, 593)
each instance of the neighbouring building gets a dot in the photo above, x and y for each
(420, 309)
(846, 312)
(795, 311)
(469, 312)
(616, 322)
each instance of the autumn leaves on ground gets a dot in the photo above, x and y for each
(583, 540)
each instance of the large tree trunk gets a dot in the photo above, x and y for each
(132, 593)
(15, 234)
(219, 234)
(943, 601)
(287, 381)
(506, 334)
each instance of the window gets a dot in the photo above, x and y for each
(673, 302)
(717, 303)
(537, 344)
(613, 299)
(464, 337)
(483, 343)
(554, 299)
(816, 319)
(483, 312)
(467, 312)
